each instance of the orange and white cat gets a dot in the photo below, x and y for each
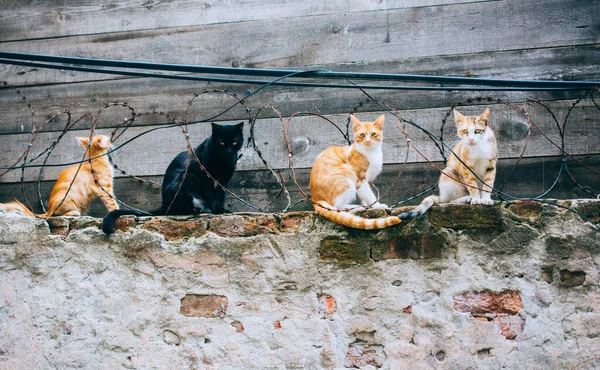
(83, 189)
(341, 175)
(478, 150)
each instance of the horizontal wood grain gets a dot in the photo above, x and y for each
(344, 37)
(155, 146)
(532, 178)
(32, 19)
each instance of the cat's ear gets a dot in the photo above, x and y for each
(240, 126)
(214, 126)
(101, 141)
(484, 116)
(85, 141)
(355, 122)
(458, 117)
(379, 122)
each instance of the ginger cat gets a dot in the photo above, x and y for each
(83, 189)
(478, 150)
(340, 175)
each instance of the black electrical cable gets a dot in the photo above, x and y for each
(578, 85)
(288, 84)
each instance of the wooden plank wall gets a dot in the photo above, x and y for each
(519, 39)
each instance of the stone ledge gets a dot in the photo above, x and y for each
(423, 238)
(454, 217)
(182, 227)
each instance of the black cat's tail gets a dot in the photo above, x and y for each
(108, 223)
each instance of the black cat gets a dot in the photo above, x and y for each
(194, 192)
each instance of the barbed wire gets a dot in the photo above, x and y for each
(24, 161)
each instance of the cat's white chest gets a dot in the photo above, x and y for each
(375, 166)
(482, 152)
(198, 203)
(375, 158)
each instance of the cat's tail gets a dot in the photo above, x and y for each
(422, 208)
(108, 223)
(348, 219)
(15, 205)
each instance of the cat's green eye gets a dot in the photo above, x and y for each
(479, 131)
(465, 131)
(362, 134)
(222, 142)
(373, 134)
(234, 143)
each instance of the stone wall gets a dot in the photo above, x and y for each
(511, 286)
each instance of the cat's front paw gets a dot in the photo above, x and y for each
(218, 211)
(380, 206)
(475, 201)
(487, 202)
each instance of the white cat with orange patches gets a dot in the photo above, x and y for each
(478, 150)
(341, 175)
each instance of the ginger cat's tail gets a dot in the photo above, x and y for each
(15, 205)
(421, 208)
(348, 219)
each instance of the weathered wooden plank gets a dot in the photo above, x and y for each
(334, 38)
(23, 20)
(569, 63)
(151, 153)
(532, 178)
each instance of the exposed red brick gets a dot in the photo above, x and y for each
(125, 223)
(263, 224)
(239, 327)
(333, 248)
(176, 229)
(228, 226)
(58, 226)
(510, 326)
(277, 325)
(413, 245)
(195, 305)
(501, 308)
(458, 216)
(508, 302)
(526, 208)
(408, 309)
(327, 306)
(572, 278)
(236, 225)
(590, 210)
(360, 355)
(291, 222)
(78, 223)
